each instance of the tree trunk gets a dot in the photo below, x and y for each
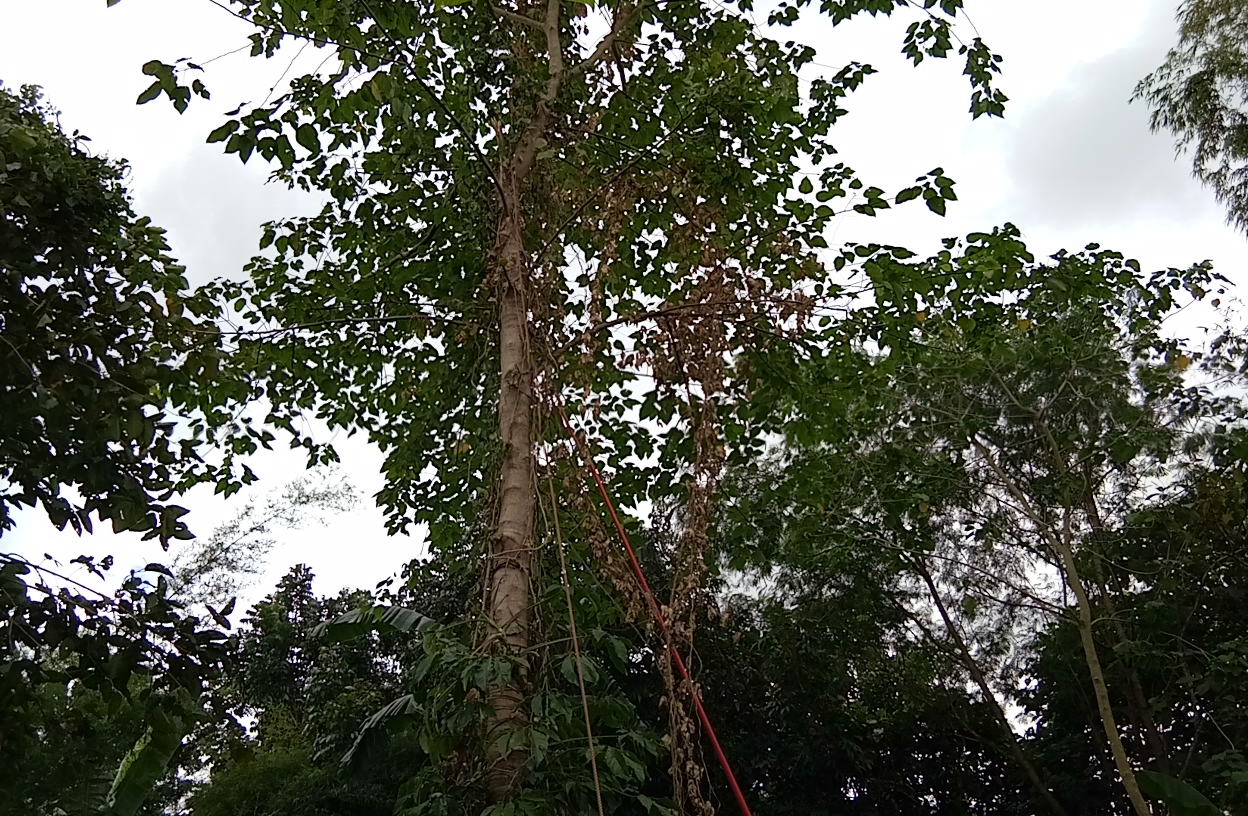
(1070, 571)
(1016, 750)
(1143, 719)
(1084, 623)
(509, 600)
(511, 547)
(1138, 706)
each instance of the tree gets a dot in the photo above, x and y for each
(829, 704)
(99, 690)
(99, 341)
(837, 673)
(524, 216)
(62, 745)
(1198, 95)
(99, 334)
(996, 428)
(89, 674)
(1174, 571)
(306, 697)
(211, 570)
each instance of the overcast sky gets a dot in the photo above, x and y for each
(1071, 163)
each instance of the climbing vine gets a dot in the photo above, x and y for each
(616, 208)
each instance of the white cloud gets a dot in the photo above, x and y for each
(213, 207)
(1084, 156)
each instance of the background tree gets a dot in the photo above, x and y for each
(98, 334)
(830, 705)
(1174, 571)
(990, 430)
(305, 698)
(67, 736)
(212, 569)
(1198, 95)
(99, 339)
(99, 690)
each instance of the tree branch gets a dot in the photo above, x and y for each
(624, 15)
(517, 18)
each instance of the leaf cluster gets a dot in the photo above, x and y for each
(98, 333)
(102, 671)
(1197, 95)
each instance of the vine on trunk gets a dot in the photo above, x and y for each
(524, 207)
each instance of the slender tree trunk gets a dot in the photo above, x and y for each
(509, 594)
(1144, 721)
(508, 599)
(1070, 571)
(1084, 623)
(1016, 750)
(1139, 701)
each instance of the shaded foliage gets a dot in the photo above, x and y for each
(1198, 95)
(99, 338)
(975, 436)
(99, 333)
(99, 691)
(827, 706)
(1176, 574)
(305, 698)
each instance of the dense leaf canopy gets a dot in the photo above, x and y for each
(97, 334)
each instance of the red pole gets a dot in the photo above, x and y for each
(658, 615)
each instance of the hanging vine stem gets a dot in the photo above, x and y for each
(656, 611)
(576, 642)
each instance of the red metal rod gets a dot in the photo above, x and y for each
(658, 615)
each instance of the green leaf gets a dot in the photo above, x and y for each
(1180, 797)
(145, 764)
(148, 95)
(908, 194)
(359, 622)
(307, 137)
(806, 187)
(390, 717)
(224, 132)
